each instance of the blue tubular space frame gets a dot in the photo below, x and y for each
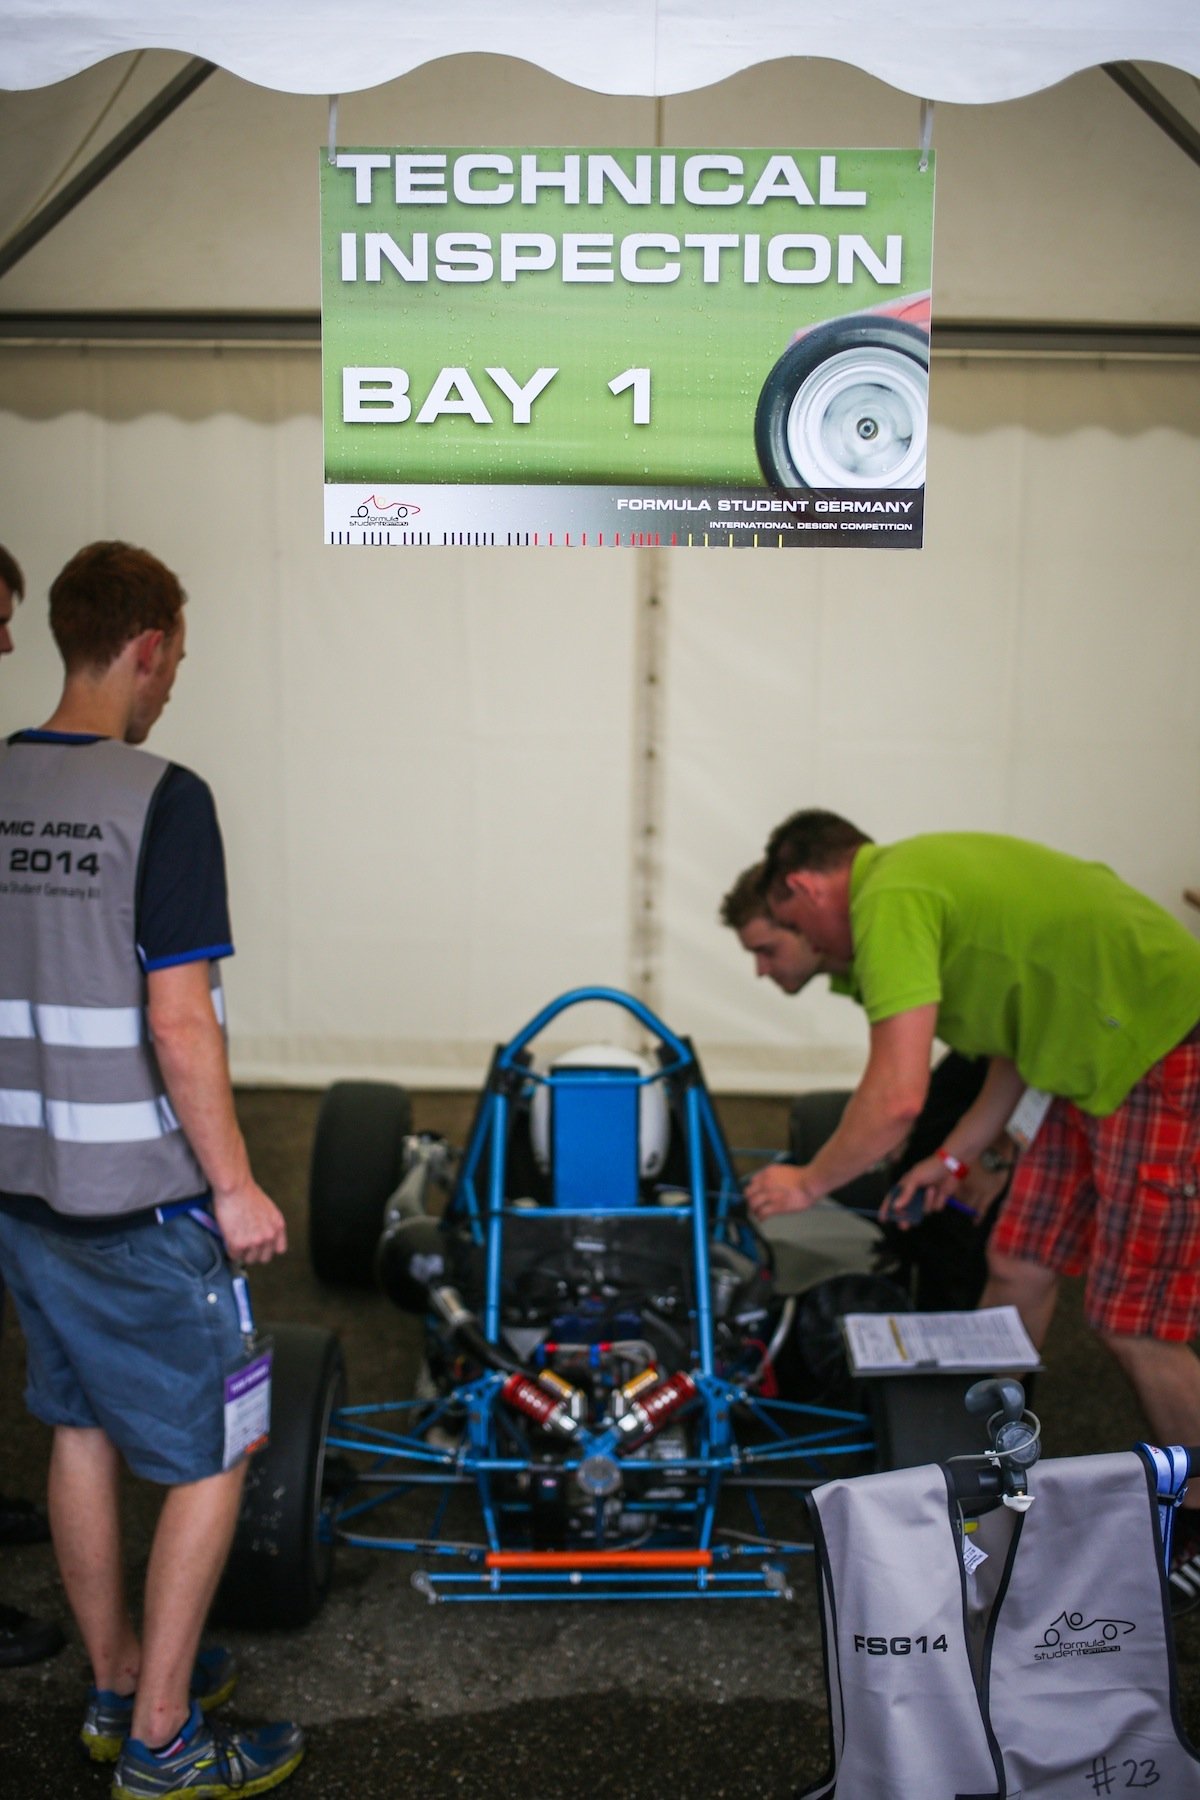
(457, 1442)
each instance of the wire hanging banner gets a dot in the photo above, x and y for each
(626, 347)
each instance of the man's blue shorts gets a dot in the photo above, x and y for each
(130, 1330)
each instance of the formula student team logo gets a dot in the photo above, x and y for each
(374, 511)
(1070, 1635)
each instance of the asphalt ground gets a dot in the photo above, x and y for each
(540, 1702)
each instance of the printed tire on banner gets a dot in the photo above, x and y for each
(846, 405)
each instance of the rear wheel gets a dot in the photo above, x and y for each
(281, 1561)
(814, 1117)
(357, 1164)
(813, 1120)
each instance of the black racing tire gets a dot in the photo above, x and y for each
(279, 1570)
(813, 1366)
(357, 1165)
(846, 406)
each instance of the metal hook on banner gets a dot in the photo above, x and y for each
(926, 134)
(333, 122)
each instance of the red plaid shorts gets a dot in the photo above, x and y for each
(1118, 1199)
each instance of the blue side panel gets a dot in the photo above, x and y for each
(594, 1138)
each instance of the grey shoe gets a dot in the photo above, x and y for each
(107, 1718)
(207, 1762)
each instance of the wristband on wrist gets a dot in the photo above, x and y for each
(957, 1167)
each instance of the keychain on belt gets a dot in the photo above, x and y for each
(247, 1390)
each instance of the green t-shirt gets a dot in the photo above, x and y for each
(1030, 954)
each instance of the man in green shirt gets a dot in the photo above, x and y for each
(1085, 997)
(943, 1258)
(781, 954)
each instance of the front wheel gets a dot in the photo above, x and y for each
(281, 1562)
(847, 406)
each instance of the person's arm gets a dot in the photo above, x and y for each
(982, 1124)
(195, 1069)
(878, 1116)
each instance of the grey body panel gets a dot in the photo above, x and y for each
(812, 1246)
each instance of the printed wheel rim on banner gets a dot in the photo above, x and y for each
(859, 420)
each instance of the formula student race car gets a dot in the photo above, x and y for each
(623, 1381)
(847, 404)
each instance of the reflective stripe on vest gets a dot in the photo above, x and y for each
(72, 1122)
(1057, 1667)
(85, 1123)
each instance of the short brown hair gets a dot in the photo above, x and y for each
(10, 573)
(809, 840)
(107, 594)
(746, 899)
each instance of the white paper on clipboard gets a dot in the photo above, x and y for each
(916, 1343)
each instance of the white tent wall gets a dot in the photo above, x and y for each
(422, 763)
(1036, 669)
(427, 762)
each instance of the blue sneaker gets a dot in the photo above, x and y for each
(107, 1718)
(204, 1761)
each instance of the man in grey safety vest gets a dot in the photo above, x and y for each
(127, 1203)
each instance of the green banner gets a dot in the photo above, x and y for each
(692, 346)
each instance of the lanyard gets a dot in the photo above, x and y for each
(174, 1209)
(1170, 1466)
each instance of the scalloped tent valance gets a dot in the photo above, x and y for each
(963, 51)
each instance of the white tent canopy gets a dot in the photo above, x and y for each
(964, 51)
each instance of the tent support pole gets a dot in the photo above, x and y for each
(1156, 106)
(139, 128)
(650, 643)
(648, 701)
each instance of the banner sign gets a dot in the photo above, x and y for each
(614, 347)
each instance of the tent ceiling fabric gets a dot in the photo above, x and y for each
(964, 51)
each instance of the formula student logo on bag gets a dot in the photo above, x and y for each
(1069, 1635)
